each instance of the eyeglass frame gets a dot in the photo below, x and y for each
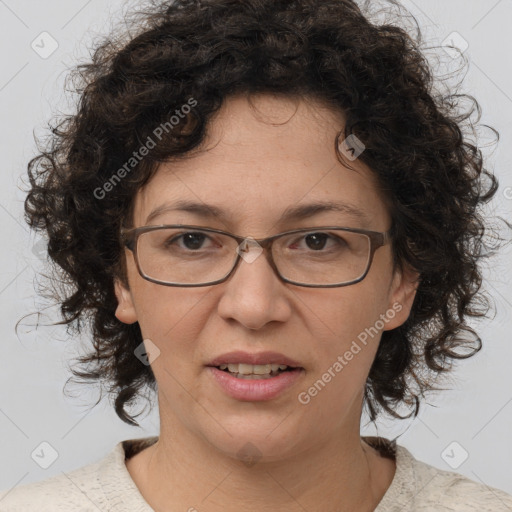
(130, 236)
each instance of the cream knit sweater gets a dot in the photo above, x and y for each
(107, 486)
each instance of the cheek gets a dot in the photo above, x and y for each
(171, 317)
(332, 394)
(347, 330)
(341, 316)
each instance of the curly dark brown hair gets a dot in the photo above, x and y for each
(431, 172)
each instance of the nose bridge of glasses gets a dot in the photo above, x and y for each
(248, 242)
(250, 248)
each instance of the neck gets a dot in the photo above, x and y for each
(193, 475)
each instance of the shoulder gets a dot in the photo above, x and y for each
(420, 487)
(92, 488)
(75, 490)
(446, 490)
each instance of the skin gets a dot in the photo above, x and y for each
(261, 157)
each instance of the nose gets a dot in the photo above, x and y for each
(254, 295)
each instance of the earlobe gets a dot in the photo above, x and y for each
(125, 311)
(404, 286)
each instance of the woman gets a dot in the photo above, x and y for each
(270, 219)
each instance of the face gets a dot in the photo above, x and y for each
(259, 159)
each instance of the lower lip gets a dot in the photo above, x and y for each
(255, 389)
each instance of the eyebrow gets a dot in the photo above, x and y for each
(294, 213)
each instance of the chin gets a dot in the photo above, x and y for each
(256, 436)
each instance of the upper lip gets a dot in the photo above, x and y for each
(253, 358)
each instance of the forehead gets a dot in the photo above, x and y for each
(264, 157)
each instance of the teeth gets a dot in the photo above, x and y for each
(253, 369)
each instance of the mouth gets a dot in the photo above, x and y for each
(255, 371)
(259, 376)
(245, 386)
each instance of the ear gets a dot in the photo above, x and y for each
(125, 311)
(403, 291)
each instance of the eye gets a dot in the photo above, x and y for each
(192, 240)
(318, 241)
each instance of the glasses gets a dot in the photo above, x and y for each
(319, 257)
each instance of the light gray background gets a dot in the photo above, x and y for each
(476, 413)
